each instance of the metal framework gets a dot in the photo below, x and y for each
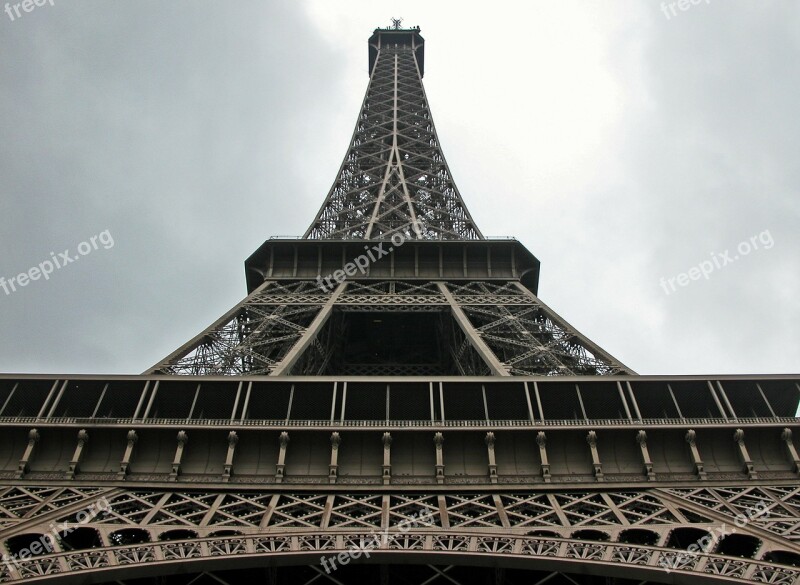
(559, 478)
(394, 178)
(498, 328)
(392, 403)
(393, 187)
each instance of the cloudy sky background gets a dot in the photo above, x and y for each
(618, 145)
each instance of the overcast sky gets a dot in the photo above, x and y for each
(621, 144)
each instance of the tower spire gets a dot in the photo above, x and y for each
(394, 177)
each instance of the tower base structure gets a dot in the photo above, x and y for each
(407, 480)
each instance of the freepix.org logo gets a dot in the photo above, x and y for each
(44, 545)
(704, 269)
(45, 268)
(374, 252)
(25, 5)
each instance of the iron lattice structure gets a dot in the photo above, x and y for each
(394, 187)
(394, 174)
(417, 417)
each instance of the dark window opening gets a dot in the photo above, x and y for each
(590, 535)
(738, 545)
(25, 546)
(783, 557)
(178, 535)
(129, 536)
(639, 537)
(80, 539)
(686, 537)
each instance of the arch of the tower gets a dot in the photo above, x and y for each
(418, 557)
(677, 535)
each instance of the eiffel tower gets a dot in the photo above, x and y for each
(392, 403)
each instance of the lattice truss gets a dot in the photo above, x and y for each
(256, 511)
(18, 504)
(394, 178)
(530, 524)
(367, 296)
(253, 337)
(773, 508)
(526, 336)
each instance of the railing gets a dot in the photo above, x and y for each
(399, 424)
(597, 558)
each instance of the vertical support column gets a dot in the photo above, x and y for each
(633, 401)
(433, 409)
(246, 405)
(387, 458)
(333, 468)
(495, 365)
(56, 401)
(725, 400)
(33, 439)
(501, 511)
(3, 407)
(326, 512)
(641, 438)
(675, 401)
(194, 401)
(624, 401)
(441, 400)
(182, 438)
(764, 397)
(386, 507)
(83, 438)
(49, 397)
(344, 401)
(716, 400)
(438, 440)
(541, 440)
(124, 465)
(744, 456)
(153, 395)
(580, 402)
(444, 516)
(141, 399)
(227, 471)
(284, 367)
(236, 401)
(267, 517)
(591, 438)
(528, 400)
(490, 439)
(280, 468)
(691, 439)
(791, 450)
(538, 399)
